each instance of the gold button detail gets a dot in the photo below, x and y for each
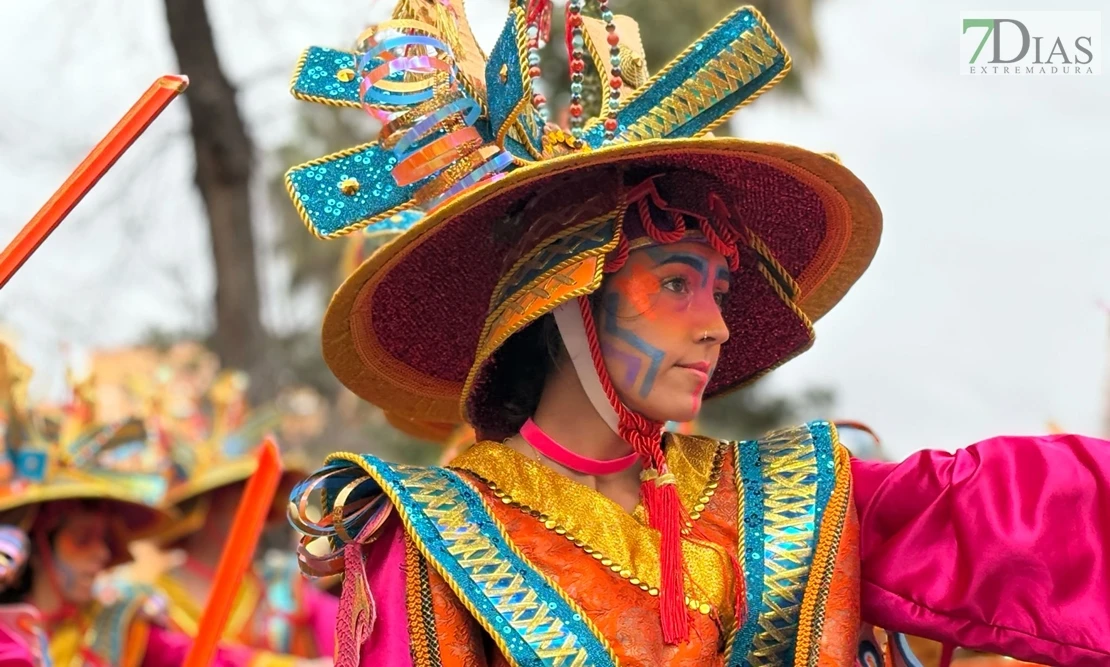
(349, 186)
(653, 592)
(625, 574)
(705, 609)
(504, 74)
(346, 75)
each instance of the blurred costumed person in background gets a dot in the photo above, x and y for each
(276, 609)
(567, 294)
(68, 510)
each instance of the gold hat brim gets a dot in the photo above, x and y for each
(139, 520)
(361, 363)
(225, 474)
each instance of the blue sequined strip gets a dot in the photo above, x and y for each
(466, 545)
(328, 209)
(506, 90)
(319, 78)
(826, 467)
(750, 484)
(786, 483)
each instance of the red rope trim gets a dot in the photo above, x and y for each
(618, 256)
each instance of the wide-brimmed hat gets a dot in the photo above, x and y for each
(416, 329)
(40, 471)
(224, 455)
(227, 453)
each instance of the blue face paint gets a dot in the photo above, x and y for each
(612, 326)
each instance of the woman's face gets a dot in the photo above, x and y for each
(80, 552)
(661, 328)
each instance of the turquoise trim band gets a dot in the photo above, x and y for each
(462, 540)
(786, 480)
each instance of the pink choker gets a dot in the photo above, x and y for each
(545, 445)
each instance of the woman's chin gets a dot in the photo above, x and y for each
(672, 415)
(670, 405)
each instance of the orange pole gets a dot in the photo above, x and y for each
(250, 519)
(91, 169)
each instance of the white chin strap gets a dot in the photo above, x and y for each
(568, 317)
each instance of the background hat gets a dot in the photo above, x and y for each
(42, 465)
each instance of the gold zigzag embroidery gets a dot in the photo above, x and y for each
(791, 494)
(505, 589)
(749, 56)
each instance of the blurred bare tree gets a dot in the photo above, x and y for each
(225, 161)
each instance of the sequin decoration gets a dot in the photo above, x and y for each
(728, 67)
(316, 190)
(320, 75)
(398, 223)
(783, 492)
(528, 616)
(510, 100)
(749, 481)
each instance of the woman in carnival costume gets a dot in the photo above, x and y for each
(606, 281)
(68, 510)
(276, 609)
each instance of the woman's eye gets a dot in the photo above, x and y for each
(677, 285)
(721, 298)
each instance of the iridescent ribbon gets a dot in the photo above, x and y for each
(342, 525)
(407, 68)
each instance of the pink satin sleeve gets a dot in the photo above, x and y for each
(388, 643)
(166, 648)
(1000, 547)
(14, 651)
(322, 609)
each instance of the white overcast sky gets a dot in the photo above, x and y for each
(979, 315)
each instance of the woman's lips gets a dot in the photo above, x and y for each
(700, 368)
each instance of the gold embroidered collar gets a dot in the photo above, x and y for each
(621, 541)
